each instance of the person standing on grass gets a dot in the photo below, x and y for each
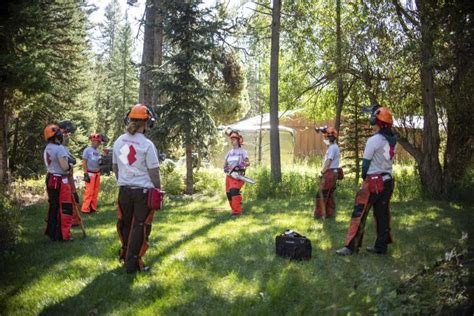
(137, 169)
(60, 210)
(236, 160)
(377, 188)
(325, 203)
(91, 167)
(67, 128)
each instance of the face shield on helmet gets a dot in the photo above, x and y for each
(52, 130)
(141, 112)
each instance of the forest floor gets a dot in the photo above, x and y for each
(205, 262)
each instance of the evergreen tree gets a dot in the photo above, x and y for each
(124, 79)
(355, 131)
(185, 117)
(44, 75)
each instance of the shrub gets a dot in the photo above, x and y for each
(10, 228)
(172, 181)
(209, 181)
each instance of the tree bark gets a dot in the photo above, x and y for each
(3, 139)
(429, 165)
(158, 46)
(340, 88)
(152, 50)
(274, 130)
(189, 166)
(15, 146)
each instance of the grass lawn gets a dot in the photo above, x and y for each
(204, 262)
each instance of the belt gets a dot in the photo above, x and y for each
(133, 187)
(385, 176)
(59, 175)
(90, 171)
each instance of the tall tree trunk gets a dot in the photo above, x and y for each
(158, 45)
(189, 165)
(3, 139)
(274, 124)
(15, 145)
(460, 143)
(340, 89)
(356, 137)
(148, 55)
(429, 165)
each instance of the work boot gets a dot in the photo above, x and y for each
(376, 250)
(344, 251)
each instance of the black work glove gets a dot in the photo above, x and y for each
(87, 178)
(76, 197)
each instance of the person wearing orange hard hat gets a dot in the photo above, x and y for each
(377, 188)
(236, 160)
(325, 203)
(137, 169)
(91, 166)
(60, 198)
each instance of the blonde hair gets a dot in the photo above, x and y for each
(134, 126)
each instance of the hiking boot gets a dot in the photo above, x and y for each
(376, 250)
(344, 251)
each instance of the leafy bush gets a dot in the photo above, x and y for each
(10, 227)
(108, 192)
(407, 183)
(295, 181)
(171, 179)
(209, 182)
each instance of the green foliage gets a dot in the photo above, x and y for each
(209, 182)
(10, 227)
(171, 178)
(116, 76)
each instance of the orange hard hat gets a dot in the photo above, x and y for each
(96, 137)
(331, 131)
(139, 112)
(384, 115)
(50, 131)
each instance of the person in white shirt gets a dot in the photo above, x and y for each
(91, 167)
(325, 203)
(137, 169)
(377, 188)
(60, 210)
(236, 160)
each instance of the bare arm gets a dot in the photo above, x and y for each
(115, 170)
(63, 163)
(84, 165)
(155, 177)
(326, 165)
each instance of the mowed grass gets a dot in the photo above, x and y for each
(203, 262)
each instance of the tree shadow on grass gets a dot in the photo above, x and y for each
(108, 292)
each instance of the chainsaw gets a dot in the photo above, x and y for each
(236, 175)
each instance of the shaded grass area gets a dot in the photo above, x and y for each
(204, 262)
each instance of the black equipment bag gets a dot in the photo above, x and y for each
(292, 245)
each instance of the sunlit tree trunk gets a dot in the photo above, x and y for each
(274, 131)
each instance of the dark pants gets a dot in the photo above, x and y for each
(133, 226)
(53, 225)
(381, 203)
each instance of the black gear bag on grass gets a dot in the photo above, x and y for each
(292, 245)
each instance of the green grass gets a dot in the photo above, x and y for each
(204, 262)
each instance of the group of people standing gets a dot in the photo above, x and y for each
(136, 167)
(376, 189)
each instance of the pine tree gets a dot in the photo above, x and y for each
(124, 78)
(185, 117)
(354, 133)
(44, 75)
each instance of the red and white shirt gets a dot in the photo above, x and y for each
(134, 155)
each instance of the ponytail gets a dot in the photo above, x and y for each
(134, 126)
